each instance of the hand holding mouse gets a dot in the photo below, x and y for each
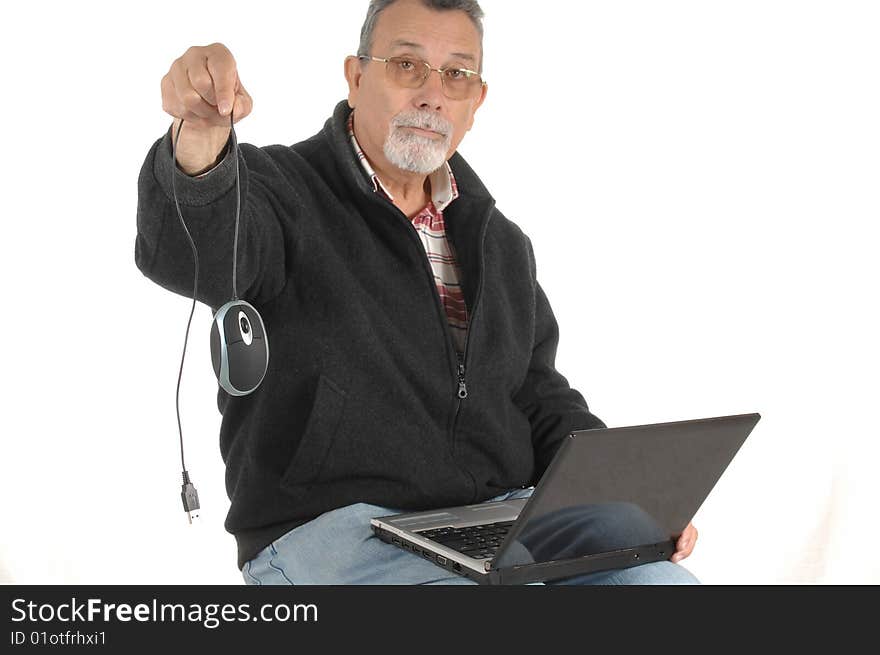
(201, 88)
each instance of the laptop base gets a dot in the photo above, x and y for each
(541, 571)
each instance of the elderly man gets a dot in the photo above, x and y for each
(412, 349)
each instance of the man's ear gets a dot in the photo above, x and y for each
(480, 101)
(353, 73)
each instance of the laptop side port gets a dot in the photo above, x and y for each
(456, 566)
(441, 560)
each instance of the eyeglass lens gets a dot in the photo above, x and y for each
(411, 74)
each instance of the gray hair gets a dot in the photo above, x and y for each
(470, 7)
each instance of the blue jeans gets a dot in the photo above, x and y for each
(339, 548)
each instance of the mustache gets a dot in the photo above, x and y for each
(423, 120)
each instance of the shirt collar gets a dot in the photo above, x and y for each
(443, 187)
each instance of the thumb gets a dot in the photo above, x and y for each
(225, 90)
(225, 104)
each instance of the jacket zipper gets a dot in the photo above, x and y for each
(462, 359)
(461, 369)
(462, 385)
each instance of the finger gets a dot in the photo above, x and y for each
(683, 540)
(221, 67)
(683, 546)
(689, 533)
(187, 99)
(200, 79)
(170, 103)
(243, 106)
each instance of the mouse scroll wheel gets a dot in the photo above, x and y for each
(244, 325)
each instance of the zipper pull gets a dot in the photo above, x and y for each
(462, 387)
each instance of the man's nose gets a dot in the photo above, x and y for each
(430, 94)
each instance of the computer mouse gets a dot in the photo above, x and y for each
(239, 348)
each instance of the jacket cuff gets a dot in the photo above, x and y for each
(193, 191)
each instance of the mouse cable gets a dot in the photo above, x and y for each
(188, 493)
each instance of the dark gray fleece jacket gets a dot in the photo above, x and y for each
(361, 399)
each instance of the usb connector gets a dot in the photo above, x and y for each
(190, 498)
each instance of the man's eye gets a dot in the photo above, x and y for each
(456, 74)
(406, 64)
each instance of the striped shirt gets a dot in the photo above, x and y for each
(432, 232)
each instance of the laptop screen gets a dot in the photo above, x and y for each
(613, 489)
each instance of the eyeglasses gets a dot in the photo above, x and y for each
(410, 73)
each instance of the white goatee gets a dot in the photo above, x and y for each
(417, 153)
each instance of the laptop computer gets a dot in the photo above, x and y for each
(610, 498)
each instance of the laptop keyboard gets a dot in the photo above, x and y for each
(477, 541)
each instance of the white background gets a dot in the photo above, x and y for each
(699, 179)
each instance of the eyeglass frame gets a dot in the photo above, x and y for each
(385, 60)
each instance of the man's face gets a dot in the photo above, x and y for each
(387, 115)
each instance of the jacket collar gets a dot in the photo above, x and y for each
(466, 219)
(443, 187)
(336, 131)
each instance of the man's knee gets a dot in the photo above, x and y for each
(653, 573)
(663, 573)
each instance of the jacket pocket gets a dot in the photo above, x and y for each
(318, 437)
